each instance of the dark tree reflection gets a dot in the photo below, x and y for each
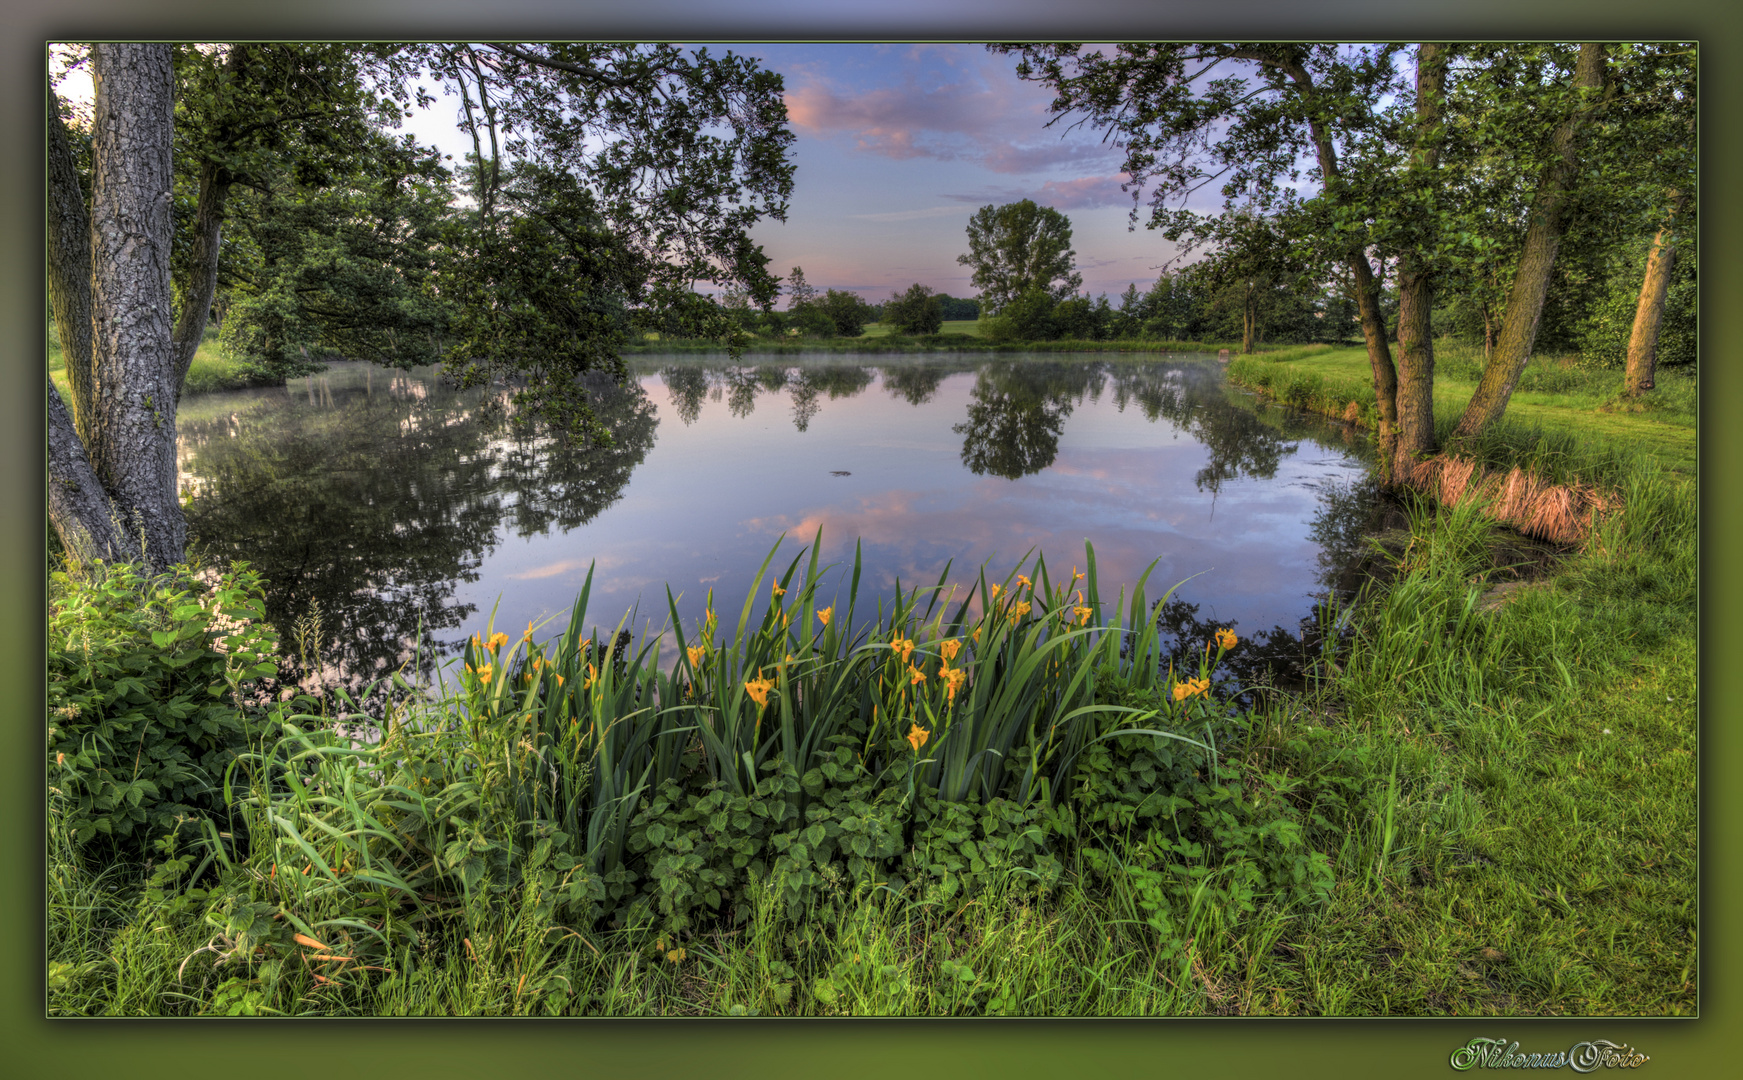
(915, 383)
(372, 503)
(1239, 442)
(1017, 411)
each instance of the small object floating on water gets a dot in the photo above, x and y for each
(839, 472)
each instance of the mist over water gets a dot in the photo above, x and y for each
(402, 510)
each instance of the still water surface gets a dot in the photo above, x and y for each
(399, 506)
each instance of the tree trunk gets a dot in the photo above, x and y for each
(1249, 320)
(69, 265)
(78, 508)
(1649, 312)
(1536, 262)
(1367, 290)
(202, 281)
(1416, 279)
(132, 430)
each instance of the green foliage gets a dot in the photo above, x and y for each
(1018, 247)
(916, 311)
(148, 678)
(341, 270)
(846, 312)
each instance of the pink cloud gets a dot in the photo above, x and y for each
(986, 116)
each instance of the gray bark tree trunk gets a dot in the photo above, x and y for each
(1543, 235)
(128, 441)
(1649, 312)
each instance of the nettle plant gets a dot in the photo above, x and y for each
(148, 679)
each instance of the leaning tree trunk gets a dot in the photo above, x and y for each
(1367, 290)
(1549, 222)
(1649, 312)
(202, 279)
(1416, 279)
(133, 423)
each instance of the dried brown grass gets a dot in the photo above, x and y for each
(1559, 513)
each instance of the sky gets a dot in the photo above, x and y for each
(896, 146)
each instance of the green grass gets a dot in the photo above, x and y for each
(1554, 397)
(1506, 794)
(211, 368)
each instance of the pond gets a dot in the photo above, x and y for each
(385, 508)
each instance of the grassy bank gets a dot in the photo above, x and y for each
(1554, 396)
(210, 370)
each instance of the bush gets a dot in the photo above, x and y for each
(147, 677)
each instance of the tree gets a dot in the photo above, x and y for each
(846, 312)
(1548, 222)
(346, 270)
(1377, 146)
(112, 459)
(1020, 247)
(643, 165)
(916, 311)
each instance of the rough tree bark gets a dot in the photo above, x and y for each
(112, 475)
(1416, 278)
(1543, 235)
(1649, 312)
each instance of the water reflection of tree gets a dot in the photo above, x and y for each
(1273, 657)
(378, 505)
(914, 383)
(1238, 441)
(561, 485)
(689, 384)
(1016, 412)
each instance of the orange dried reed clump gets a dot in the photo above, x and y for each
(1560, 513)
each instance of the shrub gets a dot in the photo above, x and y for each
(146, 689)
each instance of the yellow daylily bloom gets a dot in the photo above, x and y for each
(994, 591)
(915, 676)
(823, 614)
(485, 671)
(1020, 610)
(1226, 639)
(1023, 582)
(1191, 688)
(949, 649)
(953, 680)
(758, 689)
(917, 737)
(1082, 614)
(497, 641)
(696, 652)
